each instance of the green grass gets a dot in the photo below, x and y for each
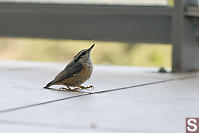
(171, 2)
(115, 53)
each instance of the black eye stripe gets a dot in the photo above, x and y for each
(78, 56)
(77, 59)
(84, 53)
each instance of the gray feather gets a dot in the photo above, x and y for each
(71, 69)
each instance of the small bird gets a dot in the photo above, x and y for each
(76, 72)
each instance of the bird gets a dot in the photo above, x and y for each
(76, 72)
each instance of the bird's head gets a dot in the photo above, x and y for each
(83, 55)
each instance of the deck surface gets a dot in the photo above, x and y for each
(125, 100)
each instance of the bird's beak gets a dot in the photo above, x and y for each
(91, 47)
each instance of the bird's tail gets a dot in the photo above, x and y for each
(49, 84)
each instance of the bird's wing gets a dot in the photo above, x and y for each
(71, 69)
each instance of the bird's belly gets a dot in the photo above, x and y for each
(80, 78)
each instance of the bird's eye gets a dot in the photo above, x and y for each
(84, 53)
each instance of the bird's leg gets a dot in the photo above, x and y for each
(86, 87)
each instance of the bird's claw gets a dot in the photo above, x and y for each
(76, 89)
(73, 90)
(62, 89)
(92, 87)
(86, 87)
(69, 89)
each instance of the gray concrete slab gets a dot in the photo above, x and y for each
(21, 128)
(152, 109)
(159, 107)
(22, 82)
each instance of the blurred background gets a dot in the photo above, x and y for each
(109, 53)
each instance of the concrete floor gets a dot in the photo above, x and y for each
(125, 100)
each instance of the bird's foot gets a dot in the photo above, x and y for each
(73, 90)
(68, 89)
(86, 87)
(62, 89)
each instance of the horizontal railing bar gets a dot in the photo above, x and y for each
(85, 9)
(87, 22)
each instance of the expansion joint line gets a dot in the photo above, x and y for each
(97, 92)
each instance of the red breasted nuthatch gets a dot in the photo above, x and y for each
(76, 72)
